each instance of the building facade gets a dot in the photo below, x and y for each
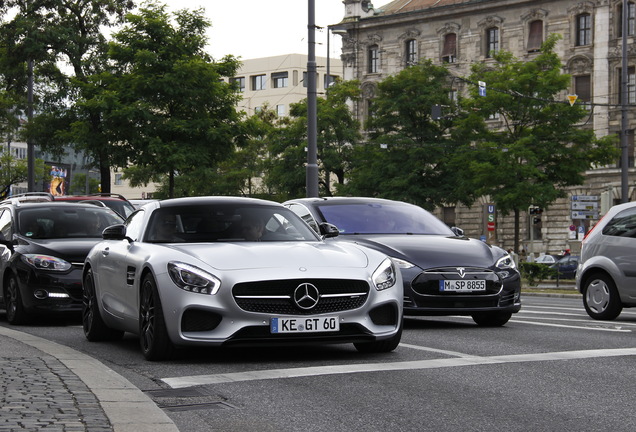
(381, 41)
(279, 81)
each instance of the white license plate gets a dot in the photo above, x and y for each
(304, 324)
(462, 285)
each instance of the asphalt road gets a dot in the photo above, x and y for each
(551, 368)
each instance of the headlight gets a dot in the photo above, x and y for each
(384, 276)
(193, 279)
(505, 262)
(46, 262)
(403, 263)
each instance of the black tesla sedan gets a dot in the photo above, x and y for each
(444, 272)
(42, 250)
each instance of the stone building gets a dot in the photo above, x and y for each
(381, 41)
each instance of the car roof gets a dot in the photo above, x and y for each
(47, 204)
(348, 200)
(87, 197)
(173, 202)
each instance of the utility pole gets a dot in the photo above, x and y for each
(30, 145)
(312, 145)
(624, 102)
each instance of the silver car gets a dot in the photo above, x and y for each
(606, 275)
(214, 271)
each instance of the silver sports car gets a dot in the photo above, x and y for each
(218, 271)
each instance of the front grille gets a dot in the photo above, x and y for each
(427, 283)
(276, 296)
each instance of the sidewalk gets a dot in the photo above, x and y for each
(45, 386)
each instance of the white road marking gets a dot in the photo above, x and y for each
(618, 329)
(188, 381)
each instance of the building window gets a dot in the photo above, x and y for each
(630, 150)
(238, 83)
(449, 52)
(374, 59)
(583, 29)
(280, 110)
(258, 82)
(280, 79)
(410, 49)
(330, 80)
(631, 18)
(492, 41)
(118, 179)
(583, 89)
(631, 86)
(535, 36)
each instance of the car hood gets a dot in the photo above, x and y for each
(72, 250)
(236, 256)
(431, 251)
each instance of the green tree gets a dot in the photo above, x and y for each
(68, 31)
(172, 112)
(338, 132)
(539, 147)
(14, 171)
(409, 155)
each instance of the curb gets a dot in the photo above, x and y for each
(128, 409)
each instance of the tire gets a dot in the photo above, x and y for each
(600, 297)
(16, 314)
(153, 334)
(491, 319)
(95, 329)
(382, 346)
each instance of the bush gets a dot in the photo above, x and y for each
(533, 272)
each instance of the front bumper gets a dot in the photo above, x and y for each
(423, 296)
(51, 292)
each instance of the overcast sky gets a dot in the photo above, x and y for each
(261, 28)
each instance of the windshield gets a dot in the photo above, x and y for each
(226, 223)
(65, 222)
(381, 218)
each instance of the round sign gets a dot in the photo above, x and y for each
(572, 228)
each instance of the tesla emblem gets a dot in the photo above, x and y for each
(461, 271)
(306, 296)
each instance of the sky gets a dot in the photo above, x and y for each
(262, 28)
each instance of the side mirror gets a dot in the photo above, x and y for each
(458, 231)
(328, 230)
(115, 232)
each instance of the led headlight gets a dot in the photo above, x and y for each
(193, 279)
(384, 276)
(506, 262)
(46, 262)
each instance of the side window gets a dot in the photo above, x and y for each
(133, 225)
(5, 224)
(304, 214)
(622, 225)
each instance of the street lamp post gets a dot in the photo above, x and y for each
(624, 96)
(312, 146)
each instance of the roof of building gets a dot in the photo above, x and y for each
(401, 6)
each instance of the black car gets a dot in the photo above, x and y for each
(42, 250)
(566, 266)
(444, 272)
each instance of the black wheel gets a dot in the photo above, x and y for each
(16, 314)
(153, 335)
(491, 319)
(382, 346)
(600, 297)
(95, 329)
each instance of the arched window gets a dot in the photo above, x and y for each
(535, 35)
(583, 29)
(449, 51)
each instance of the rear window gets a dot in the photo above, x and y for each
(622, 225)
